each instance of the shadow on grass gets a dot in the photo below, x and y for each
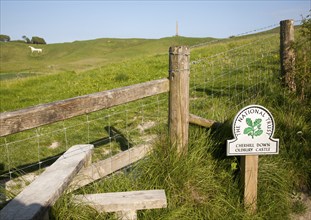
(114, 135)
(222, 91)
(220, 133)
(8, 76)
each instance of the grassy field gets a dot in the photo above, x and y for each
(225, 76)
(78, 56)
(78, 68)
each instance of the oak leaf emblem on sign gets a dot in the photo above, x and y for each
(254, 128)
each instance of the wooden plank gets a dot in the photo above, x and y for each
(249, 165)
(105, 167)
(179, 70)
(24, 119)
(123, 201)
(35, 199)
(194, 119)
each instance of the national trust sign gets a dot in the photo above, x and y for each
(253, 129)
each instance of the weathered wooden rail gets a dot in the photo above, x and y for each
(110, 165)
(24, 119)
(35, 199)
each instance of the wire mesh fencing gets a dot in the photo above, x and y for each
(237, 75)
(111, 131)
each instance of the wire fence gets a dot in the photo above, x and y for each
(110, 131)
(225, 74)
(236, 76)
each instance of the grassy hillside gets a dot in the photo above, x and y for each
(81, 55)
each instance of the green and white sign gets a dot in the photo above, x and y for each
(253, 128)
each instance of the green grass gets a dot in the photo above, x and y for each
(226, 75)
(199, 185)
(82, 55)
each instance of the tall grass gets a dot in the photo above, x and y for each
(198, 185)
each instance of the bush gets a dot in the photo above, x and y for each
(37, 40)
(4, 38)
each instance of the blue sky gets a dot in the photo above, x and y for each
(66, 21)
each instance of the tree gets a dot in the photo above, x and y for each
(4, 38)
(37, 40)
(26, 39)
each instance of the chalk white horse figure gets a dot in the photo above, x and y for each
(35, 49)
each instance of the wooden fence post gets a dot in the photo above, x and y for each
(179, 71)
(249, 167)
(287, 54)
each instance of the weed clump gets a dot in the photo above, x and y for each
(121, 77)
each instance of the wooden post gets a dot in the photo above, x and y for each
(287, 54)
(179, 69)
(249, 165)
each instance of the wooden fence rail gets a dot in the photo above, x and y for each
(33, 202)
(24, 119)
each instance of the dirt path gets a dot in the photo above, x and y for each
(306, 199)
